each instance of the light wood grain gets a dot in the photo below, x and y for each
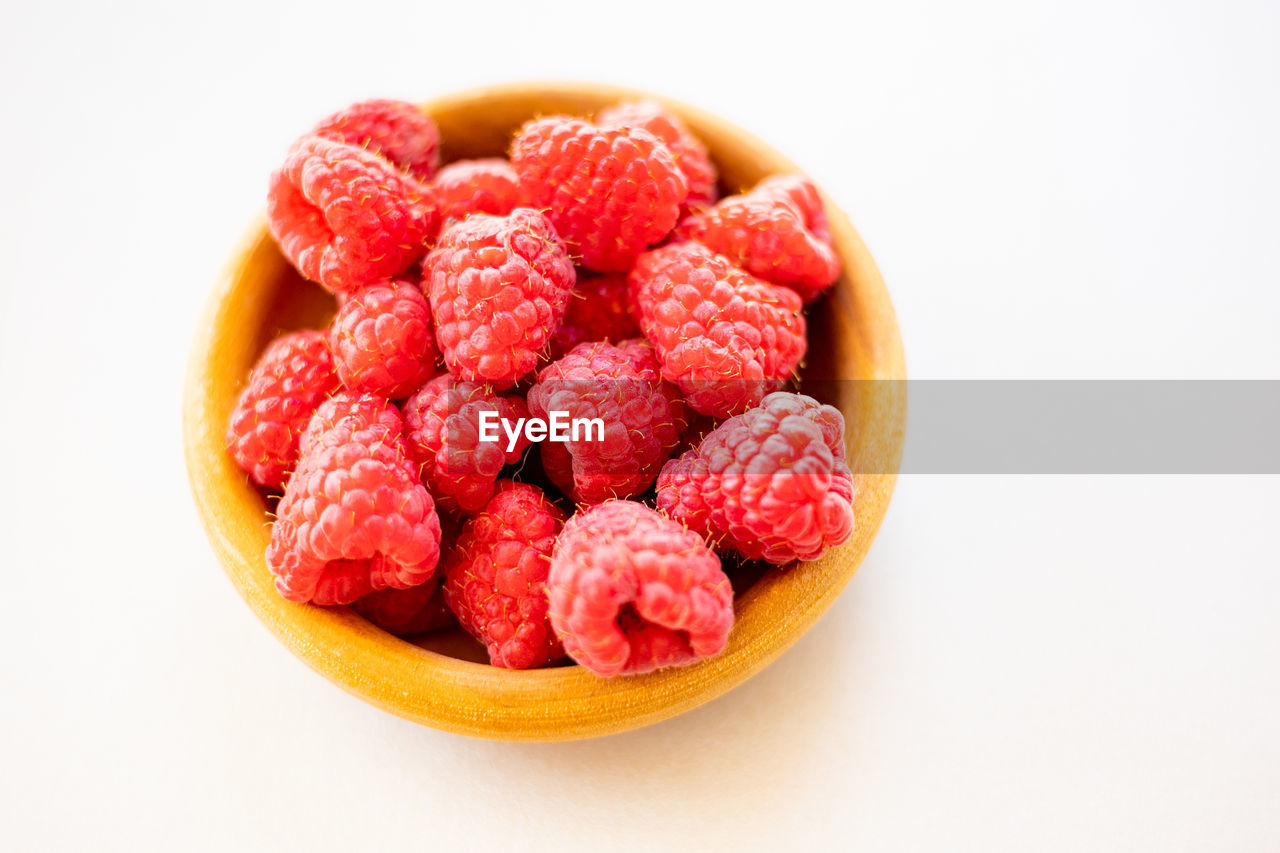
(853, 336)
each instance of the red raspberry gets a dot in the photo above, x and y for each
(292, 377)
(771, 483)
(610, 192)
(597, 312)
(404, 612)
(689, 152)
(397, 130)
(442, 423)
(495, 578)
(725, 337)
(437, 616)
(381, 339)
(346, 217)
(498, 286)
(803, 195)
(416, 610)
(642, 417)
(778, 232)
(354, 517)
(479, 186)
(632, 591)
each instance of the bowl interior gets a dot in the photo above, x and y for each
(853, 338)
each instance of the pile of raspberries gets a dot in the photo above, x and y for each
(594, 272)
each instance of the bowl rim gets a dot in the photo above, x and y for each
(559, 703)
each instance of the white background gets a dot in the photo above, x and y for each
(1078, 190)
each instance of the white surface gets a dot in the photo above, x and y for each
(1026, 663)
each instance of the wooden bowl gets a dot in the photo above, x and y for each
(853, 336)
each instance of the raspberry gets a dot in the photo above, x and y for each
(498, 286)
(597, 312)
(689, 152)
(442, 423)
(403, 612)
(354, 517)
(397, 130)
(725, 337)
(771, 483)
(381, 339)
(632, 591)
(292, 377)
(416, 610)
(642, 416)
(803, 195)
(479, 186)
(610, 192)
(495, 578)
(778, 232)
(346, 217)
(436, 616)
